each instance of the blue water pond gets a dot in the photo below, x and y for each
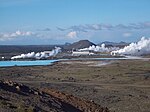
(49, 62)
(26, 63)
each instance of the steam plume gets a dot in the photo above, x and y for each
(142, 47)
(39, 55)
(101, 48)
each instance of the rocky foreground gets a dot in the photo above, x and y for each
(21, 98)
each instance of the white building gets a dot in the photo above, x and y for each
(78, 53)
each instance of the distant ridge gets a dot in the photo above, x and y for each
(114, 44)
(79, 45)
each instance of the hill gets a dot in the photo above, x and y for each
(79, 45)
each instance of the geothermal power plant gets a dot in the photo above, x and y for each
(142, 47)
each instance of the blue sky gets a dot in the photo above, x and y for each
(25, 22)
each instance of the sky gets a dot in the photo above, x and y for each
(37, 22)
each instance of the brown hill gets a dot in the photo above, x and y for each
(79, 45)
(21, 98)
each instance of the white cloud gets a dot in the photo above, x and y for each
(10, 36)
(95, 27)
(127, 34)
(72, 34)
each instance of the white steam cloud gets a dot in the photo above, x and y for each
(39, 55)
(140, 48)
(101, 48)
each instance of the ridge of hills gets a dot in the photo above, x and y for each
(11, 50)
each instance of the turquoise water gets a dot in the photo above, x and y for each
(49, 62)
(26, 63)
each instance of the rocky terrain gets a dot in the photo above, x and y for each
(16, 97)
(119, 85)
